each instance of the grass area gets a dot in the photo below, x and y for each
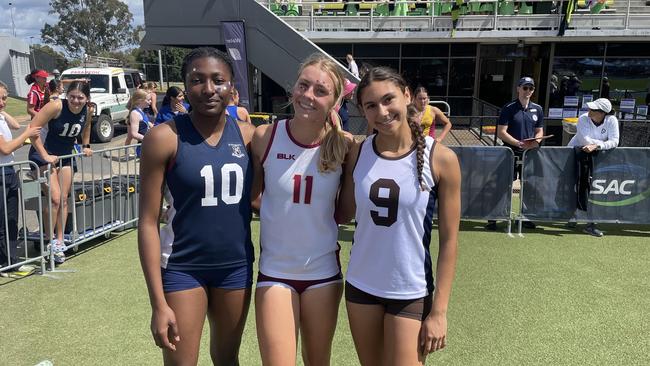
(555, 297)
(16, 107)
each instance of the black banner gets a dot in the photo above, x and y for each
(620, 186)
(486, 185)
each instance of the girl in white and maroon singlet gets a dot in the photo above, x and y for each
(391, 185)
(298, 161)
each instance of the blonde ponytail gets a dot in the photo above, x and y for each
(334, 146)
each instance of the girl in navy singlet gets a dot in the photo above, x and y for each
(66, 120)
(299, 161)
(390, 186)
(235, 111)
(139, 122)
(200, 263)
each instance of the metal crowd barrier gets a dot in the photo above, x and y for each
(103, 198)
(28, 188)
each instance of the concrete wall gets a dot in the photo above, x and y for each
(14, 64)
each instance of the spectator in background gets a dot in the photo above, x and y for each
(352, 65)
(234, 110)
(596, 130)
(430, 115)
(604, 91)
(138, 120)
(9, 185)
(172, 105)
(56, 89)
(519, 123)
(348, 92)
(152, 109)
(37, 92)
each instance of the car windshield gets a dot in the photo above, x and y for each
(98, 83)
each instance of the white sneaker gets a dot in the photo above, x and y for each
(59, 251)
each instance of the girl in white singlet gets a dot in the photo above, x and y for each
(391, 184)
(298, 162)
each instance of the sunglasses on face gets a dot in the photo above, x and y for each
(528, 88)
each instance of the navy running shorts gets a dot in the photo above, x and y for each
(233, 278)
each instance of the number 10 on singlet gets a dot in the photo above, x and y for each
(226, 174)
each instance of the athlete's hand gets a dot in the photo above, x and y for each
(52, 159)
(164, 328)
(590, 148)
(181, 108)
(87, 151)
(433, 333)
(533, 144)
(33, 131)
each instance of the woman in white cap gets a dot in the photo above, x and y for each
(596, 130)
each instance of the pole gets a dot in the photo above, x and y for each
(31, 49)
(160, 72)
(13, 25)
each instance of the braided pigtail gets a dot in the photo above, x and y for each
(418, 137)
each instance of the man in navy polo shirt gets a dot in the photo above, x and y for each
(519, 120)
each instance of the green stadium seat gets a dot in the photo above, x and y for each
(382, 10)
(487, 8)
(445, 8)
(474, 7)
(525, 8)
(292, 10)
(277, 9)
(351, 10)
(506, 7)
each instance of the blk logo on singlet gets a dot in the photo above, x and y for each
(283, 156)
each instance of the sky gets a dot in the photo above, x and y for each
(30, 16)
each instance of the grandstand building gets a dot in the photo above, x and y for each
(470, 55)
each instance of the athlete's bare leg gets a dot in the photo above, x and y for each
(227, 311)
(401, 341)
(319, 309)
(65, 183)
(190, 307)
(277, 311)
(367, 327)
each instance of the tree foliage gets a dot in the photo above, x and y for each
(90, 26)
(172, 58)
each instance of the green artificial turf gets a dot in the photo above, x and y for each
(16, 107)
(555, 297)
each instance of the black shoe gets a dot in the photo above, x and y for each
(529, 225)
(491, 225)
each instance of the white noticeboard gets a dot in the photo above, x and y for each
(571, 101)
(627, 105)
(555, 113)
(569, 113)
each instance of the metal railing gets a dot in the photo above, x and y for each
(475, 15)
(103, 197)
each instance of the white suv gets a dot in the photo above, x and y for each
(110, 89)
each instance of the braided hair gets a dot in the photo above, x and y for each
(388, 74)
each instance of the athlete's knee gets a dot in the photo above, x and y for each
(225, 357)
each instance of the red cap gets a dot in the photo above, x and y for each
(41, 73)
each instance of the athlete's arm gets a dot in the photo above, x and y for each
(11, 121)
(446, 123)
(261, 140)
(134, 125)
(243, 114)
(51, 111)
(158, 149)
(434, 328)
(345, 204)
(7, 147)
(85, 133)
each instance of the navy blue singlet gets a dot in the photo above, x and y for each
(143, 126)
(62, 131)
(210, 214)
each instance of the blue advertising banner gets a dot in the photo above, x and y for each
(619, 192)
(234, 36)
(486, 186)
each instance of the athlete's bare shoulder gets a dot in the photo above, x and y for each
(261, 139)
(162, 139)
(444, 160)
(247, 131)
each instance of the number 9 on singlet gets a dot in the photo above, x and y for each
(228, 172)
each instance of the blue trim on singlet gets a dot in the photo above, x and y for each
(426, 240)
(143, 126)
(428, 226)
(232, 112)
(214, 236)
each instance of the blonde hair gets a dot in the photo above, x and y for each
(138, 96)
(334, 146)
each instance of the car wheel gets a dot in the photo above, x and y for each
(102, 130)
